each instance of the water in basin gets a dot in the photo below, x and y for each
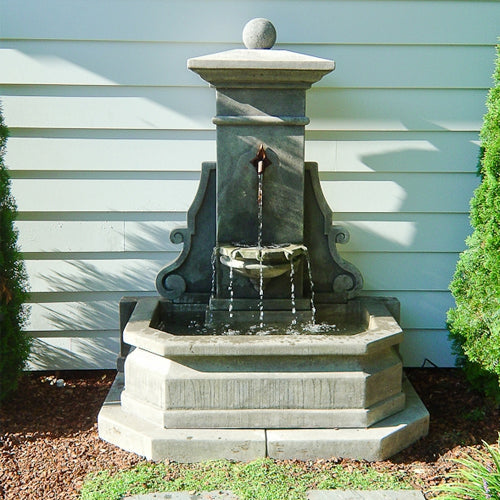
(337, 319)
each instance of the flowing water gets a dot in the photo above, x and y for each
(212, 288)
(311, 286)
(231, 292)
(259, 329)
(292, 292)
(192, 324)
(259, 247)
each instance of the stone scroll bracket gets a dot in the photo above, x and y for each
(190, 274)
(333, 277)
(191, 271)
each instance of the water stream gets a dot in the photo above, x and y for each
(231, 292)
(212, 288)
(292, 292)
(292, 327)
(311, 286)
(259, 246)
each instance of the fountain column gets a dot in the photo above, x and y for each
(260, 100)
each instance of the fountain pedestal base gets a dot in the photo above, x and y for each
(198, 397)
(378, 442)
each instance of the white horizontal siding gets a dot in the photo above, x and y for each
(118, 154)
(99, 275)
(381, 271)
(89, 236)
(347, 21)
(346, 192)
(373, 66)
(406, 152)
(190, 108)
(361, 152)
(427, 348)
(109, 130)
(75, 353)
(407, 233)
(398, 232)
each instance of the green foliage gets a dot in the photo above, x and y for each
(474, 323)
(14, 344)
(262, 479)
(479, 478)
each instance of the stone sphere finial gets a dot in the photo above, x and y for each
(259, 34)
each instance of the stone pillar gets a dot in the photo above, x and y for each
(260, 100)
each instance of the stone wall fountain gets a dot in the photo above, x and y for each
(259, 344)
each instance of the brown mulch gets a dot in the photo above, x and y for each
(49, 441)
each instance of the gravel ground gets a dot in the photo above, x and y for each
(49, 441)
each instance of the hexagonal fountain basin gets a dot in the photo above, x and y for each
(178, 378)
(357, 327)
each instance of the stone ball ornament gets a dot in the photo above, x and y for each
(259, 33)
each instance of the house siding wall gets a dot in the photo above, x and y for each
(109, 129)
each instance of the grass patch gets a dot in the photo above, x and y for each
(261, 479)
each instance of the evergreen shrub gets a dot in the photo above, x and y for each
(14, 343)
(474, 323)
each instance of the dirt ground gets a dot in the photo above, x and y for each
(49, 441)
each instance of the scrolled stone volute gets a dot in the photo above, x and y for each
(174, 286)
(340, 235)
(331, 273)
(191, 271)
(179, 235)
(343, 283)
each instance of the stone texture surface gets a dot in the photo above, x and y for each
(378, 442)
(365, 495)
(191, 271)
(382, 332)
(328, 379)
(302, 384)
(185, 495)
(258, 68)
(259, 33)
(257, 419)
(182, 445)
(279, 382)
(311, 495)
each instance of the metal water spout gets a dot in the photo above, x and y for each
(261, 161)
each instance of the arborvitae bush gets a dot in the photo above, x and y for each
(475, 322)
(14, 344)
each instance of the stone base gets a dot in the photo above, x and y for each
(378, 442)
(284, 392)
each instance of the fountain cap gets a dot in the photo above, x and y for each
(258, 67)
(259, 33)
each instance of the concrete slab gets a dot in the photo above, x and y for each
(184, 495)
(378, 442)
(365, 495)
(181, 445)
(193, 445)
(311, 495)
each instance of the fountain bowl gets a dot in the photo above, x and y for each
(255, 262)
